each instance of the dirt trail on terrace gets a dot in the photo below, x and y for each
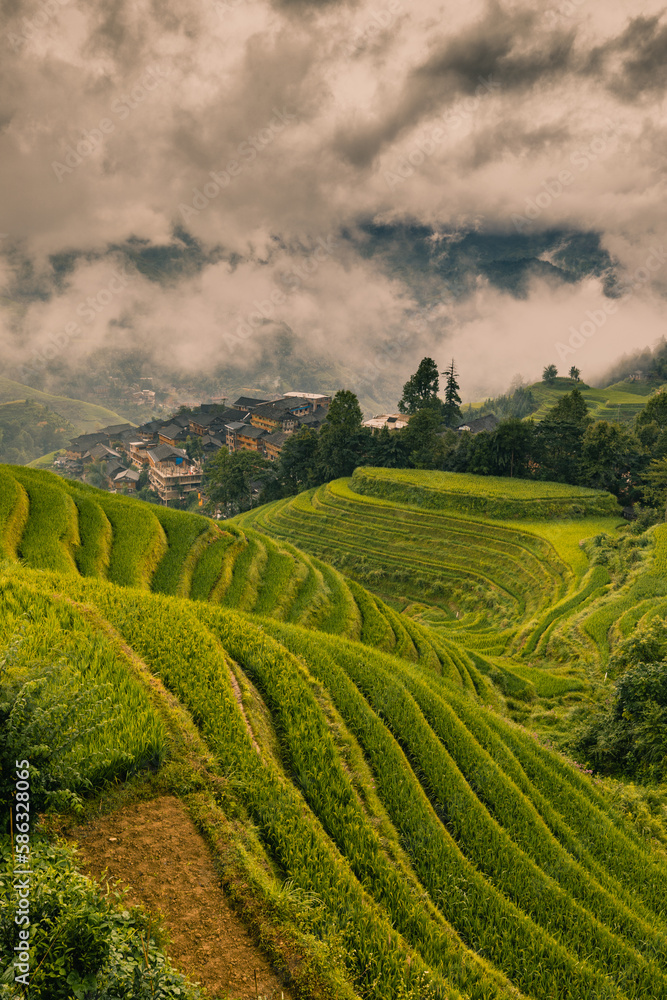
(157, 852)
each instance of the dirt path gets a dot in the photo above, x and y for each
(155, 850)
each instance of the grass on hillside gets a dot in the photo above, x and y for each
(85, 417)
(620, 402)
(424, 846)
(491, 496)
(617, 403)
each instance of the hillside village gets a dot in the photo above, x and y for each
(168, 455)
(559, 429)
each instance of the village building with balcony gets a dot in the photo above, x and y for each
(137, 452)
(317, 400)
(249, 438)
(126, 479)
(171, 474)
(101, 453)
(248, 403)
(149, 431)
(78, 446)
(280, 414)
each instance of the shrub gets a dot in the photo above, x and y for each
(81, 946)
(44, 731)
(629, 735)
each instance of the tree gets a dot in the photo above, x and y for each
(574, 373)
(651, 424)
(194, 447)
(228, 479)
(422, 441)
(299, 462)
(95, 475)
(342, 440)
(149, 495)
(570, 408)
(451, 413)
(549, 374)
(611, 460)
(510, 446)
(629, 735)
(558, 448)
(389, 450)
(421, 389)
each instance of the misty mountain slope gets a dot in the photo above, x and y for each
(83, 417)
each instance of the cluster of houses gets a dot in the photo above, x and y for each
(175, 469)
(159, 446)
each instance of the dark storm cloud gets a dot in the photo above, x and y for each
(507, 260)
(634, 64)
(519, 97)
(503, 50)
(512, 138)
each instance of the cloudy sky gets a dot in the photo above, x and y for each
(363, 183)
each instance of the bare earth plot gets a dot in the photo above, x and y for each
(154, 849)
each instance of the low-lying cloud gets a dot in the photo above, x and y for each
(485, 177)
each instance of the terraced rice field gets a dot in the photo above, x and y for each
(620, 402)
(54, 524)
(510, 597)
(427, 846)
(490, 496)
(344, 744)
(508, 609)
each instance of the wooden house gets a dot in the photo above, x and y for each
(173, 434)
(171, 473)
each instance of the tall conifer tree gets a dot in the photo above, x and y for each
(450, 408)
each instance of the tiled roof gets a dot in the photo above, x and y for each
(164, 451)
(249, 431)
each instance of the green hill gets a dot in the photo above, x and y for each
(528, 603)
(57, 524)
(83, 417)
(620, 402)
(387, 830)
